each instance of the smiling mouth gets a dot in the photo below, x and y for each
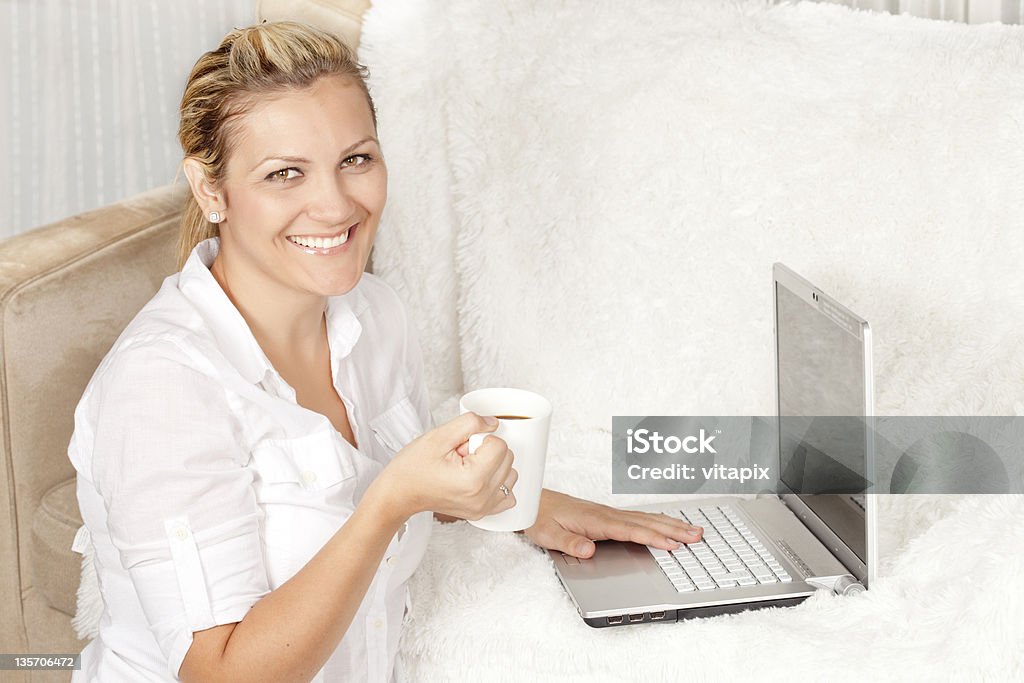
(311, 242)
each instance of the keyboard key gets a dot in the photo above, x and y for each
(747, 581)
(784, 577)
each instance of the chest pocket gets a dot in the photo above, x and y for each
(397, 426)
(313, 462)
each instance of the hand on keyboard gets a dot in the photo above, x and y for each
(728, 556)
(570, 525)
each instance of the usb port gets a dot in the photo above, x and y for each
(633, 618)
(614, 620)
(657, 616)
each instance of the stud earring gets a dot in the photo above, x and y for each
(215, 216)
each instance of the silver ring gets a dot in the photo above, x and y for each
(504, 489)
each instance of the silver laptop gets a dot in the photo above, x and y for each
(775, 549)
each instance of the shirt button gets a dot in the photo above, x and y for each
(308, 477)
(390, 561)
(377, 623)
(181, 533)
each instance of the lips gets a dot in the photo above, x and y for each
(319, 245)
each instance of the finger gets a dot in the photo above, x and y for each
(557, 537)
(507, 478)
(671, 527)
(513, 477)
(625, 529)
(503, 474)
(507, 502)
(499, 502)
(454, 433)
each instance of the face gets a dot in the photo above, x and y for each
(303, 191)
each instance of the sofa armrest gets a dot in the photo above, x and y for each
(343, 18)
(66, 292)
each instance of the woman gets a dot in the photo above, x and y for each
(255, 465)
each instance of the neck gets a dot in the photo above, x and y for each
(285, 324)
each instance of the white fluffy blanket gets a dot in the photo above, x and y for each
(591, 194)
(488, 607)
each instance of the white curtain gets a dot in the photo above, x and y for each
(91, 91)
(969, 11)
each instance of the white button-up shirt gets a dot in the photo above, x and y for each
(203, 485)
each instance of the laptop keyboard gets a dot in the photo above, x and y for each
(728, 556)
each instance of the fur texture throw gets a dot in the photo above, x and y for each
(597, 190)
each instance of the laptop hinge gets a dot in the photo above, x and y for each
(840, 584)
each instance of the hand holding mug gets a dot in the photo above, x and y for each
(430, 474)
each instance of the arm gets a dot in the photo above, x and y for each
(290, 633)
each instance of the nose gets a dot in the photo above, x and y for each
(330, 201)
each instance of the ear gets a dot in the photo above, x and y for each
(207, 196)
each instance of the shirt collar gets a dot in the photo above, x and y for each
(232, 333)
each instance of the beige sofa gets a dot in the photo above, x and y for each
(66, 292)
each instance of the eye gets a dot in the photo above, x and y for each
(357, 160)
(284, 174)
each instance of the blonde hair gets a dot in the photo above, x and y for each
(250, 62)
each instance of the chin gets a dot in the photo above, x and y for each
(340, 286)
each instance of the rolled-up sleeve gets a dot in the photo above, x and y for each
(171, 465)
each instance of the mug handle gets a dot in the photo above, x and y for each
(475, 440)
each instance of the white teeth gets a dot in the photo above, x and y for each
(319, 242)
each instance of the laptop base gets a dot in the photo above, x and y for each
(673, 615)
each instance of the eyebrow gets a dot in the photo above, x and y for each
(303, 160)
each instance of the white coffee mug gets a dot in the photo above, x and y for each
(527, 438)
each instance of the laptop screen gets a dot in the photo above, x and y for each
(821, 374)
